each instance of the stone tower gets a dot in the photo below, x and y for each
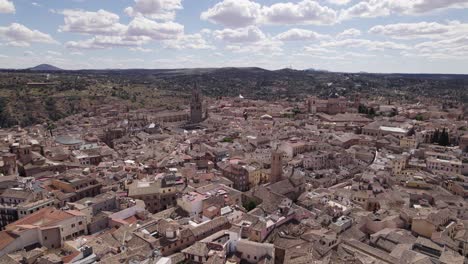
(276, 166)
(356, 100)
(9, 164)
(196, 106)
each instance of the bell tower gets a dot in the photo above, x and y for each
(196, 105)
(276, 166)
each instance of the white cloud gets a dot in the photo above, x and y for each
(155, 9)
(306, 12)
(378, 8)
(108, 32)
(242, 13)
(18, 35)
(101, 22)
(191, 41)
(141, 26)
(297, 34)
(7, 7)
(431, 30)
(339, 2)
(365, 43)
(36, 4)
(423, 6)
(233, 13)
(452, 48)
(317, 50)
(54, 53)
(104, 42)
(141, 49)
(349, 33)
(266, 47)
(241, 35)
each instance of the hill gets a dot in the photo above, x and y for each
(69, 92)
(45, 67)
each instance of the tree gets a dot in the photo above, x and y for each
(362, 109)
(50, 128)
(444, 139)
(250, 205)
(435, 136)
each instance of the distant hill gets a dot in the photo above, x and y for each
(45, 67)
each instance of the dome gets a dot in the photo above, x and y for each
(68, 140)
(266, 117)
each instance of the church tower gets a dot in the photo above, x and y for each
(196, 105)
(276, 166)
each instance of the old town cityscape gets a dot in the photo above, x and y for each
(233, 132)
(328, 179)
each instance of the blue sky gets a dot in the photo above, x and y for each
(427, 36)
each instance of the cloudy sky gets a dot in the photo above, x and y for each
(428, 36)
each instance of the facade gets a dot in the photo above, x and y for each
(171, 117)
(9, 164)
(237, 174)
(442, 165)
(18, 203)
(399, 163)
(317, 160)
(456, 187)
(464, 143)
(78, 187)
(330, 106)
(158, 195)
(380, 129)
(426, 225)
(49, 227)
(409, 142)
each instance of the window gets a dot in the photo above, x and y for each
(80, 223)
(72, 225)
(45, 238)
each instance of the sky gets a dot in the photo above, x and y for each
(404, 36)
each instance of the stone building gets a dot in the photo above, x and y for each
(276, 166)
(158, 195)
(196, 106)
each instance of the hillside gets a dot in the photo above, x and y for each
(67, 92)
(45, 67)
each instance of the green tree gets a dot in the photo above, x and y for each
(250, 205)
(444, 139)
(362, 109)
(50, 128)
(435, 136)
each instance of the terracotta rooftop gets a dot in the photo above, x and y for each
(44, 217)
(6, 238)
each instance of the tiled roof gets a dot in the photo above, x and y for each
(44, 217)
(6, 238)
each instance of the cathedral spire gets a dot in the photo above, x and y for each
(196, 105)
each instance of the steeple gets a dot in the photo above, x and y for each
(196, 105)
(276, 172)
